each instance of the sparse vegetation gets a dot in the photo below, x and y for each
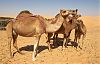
(3, 22)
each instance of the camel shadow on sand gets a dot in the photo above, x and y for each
(31, 47)
(59, 42)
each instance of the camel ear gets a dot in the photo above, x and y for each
(76, 10)
(61, 10)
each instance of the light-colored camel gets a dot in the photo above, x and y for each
(66, 27)
(27, 25)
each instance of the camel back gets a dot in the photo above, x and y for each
(24, 14)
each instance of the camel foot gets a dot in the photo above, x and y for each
(50, 50)
(20, 52)
(34, 59)
(37, 54)
(80, 47)
(63, 48)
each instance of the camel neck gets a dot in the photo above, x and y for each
(56, 26)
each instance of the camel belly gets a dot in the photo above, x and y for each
(25, 31)
(28, 31)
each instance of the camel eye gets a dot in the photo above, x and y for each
(64, 11)
(73, 11)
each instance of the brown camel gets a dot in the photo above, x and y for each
(27, 25)
(79, 31)
(66, 27)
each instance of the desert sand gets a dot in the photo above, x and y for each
(90, 53)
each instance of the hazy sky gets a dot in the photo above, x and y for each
(48, 7)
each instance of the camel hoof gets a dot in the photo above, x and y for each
(37, 54)
(33, 59)
(50, 50)
(63, 48)
(80, 47)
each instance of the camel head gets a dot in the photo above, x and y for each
(78, 16)
(64, 12)
(74, 12)
(79, 22)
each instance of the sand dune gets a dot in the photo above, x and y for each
(90, 54)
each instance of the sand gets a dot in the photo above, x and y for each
(90, 54)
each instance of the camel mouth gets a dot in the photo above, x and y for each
(70, 15)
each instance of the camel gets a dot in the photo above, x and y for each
(66, 27)
(28, 25)
(79, 31)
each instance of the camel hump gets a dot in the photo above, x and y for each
(24, 14)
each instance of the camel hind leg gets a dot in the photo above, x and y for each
(9, 45)
(9, 35)
(15, 43)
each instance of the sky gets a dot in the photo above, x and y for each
(49, 7)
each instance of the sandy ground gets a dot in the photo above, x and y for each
(90, 53)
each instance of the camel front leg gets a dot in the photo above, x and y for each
(48, 41)
(75, 39)
(55, 39)
(63, 46)
(66, 39)
(37, 38)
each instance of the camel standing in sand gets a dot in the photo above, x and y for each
(27, 25)
(66, 28)
(79, 31)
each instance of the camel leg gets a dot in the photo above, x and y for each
(55, 39)
(49, 46)
(79, 44)
(67, 39)
(37, 39)
(9, 44)
(15, 43)
(9, 33)
(83, 37)
(48, 41)
(75, 39)
(63, 46)
(54, 36)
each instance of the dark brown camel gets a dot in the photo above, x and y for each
(27, 25)
(79, 31)
(66, 27)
